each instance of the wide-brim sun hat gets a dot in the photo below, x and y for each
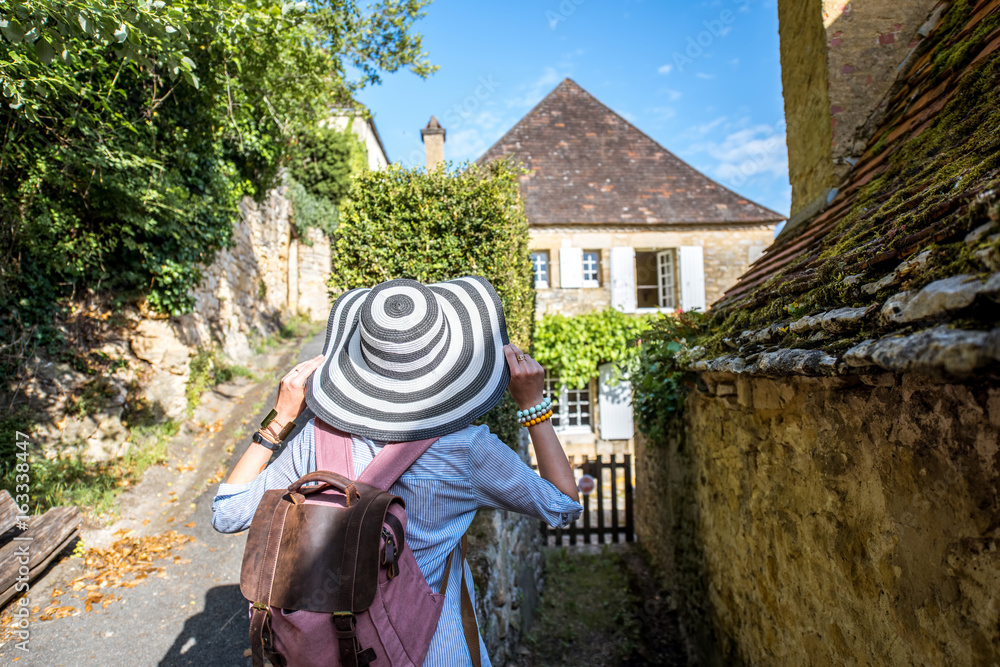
(407, 361)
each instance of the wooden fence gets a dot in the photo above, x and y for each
(607, 511)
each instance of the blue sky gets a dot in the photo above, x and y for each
(701, 78)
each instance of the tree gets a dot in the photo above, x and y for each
(131, 131)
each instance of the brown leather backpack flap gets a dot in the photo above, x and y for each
(310, 556)
(253, 553)
(325, 547)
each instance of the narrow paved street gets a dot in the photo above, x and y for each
(190, 614)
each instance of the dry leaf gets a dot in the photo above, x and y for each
(190, 525)
(170, 519)
(145, 521)
(56, 592)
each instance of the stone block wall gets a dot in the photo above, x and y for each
(830, 521)
(728, 251)
(246, 292)
(839, 59)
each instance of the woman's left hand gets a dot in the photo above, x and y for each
(527, 377)
(291, 399)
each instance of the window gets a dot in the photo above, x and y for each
(540, 265)
(570, 407)
(591, 268)
(656, 284)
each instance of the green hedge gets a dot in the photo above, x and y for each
(408, 223)
(573, 347)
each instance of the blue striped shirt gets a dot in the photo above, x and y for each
(458, 474)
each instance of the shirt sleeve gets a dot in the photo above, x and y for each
(235, 504)
(501, 480)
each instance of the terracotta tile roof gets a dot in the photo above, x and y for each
(591, 166)
(798, 262)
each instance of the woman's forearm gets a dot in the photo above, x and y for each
(552, 462)
(251, 464)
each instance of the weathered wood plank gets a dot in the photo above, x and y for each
(8, 511)
(12, 591)
(44, 535)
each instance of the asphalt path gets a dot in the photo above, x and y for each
(195, 615)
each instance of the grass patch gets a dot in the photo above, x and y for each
(94, 486)
(208, 369)
(587, 615)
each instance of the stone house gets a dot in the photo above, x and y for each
(831, 493)
(618, 220)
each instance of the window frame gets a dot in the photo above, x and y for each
(674, 282)
(547, 269)
(561, 407)
(596, 280)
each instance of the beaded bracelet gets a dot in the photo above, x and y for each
(537, 420)
(536, 414)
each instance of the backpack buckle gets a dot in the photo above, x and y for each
(390, 553)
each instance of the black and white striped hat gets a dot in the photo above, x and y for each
(407, 361)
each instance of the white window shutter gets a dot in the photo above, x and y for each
(616, 405)
(623, 279)
(692, 270)
(570, 267)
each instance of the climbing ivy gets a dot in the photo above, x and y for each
(658, 380)
(573, 347)
(324, 160)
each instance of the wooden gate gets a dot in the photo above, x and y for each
(607, 511)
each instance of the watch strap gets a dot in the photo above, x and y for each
(264, 442)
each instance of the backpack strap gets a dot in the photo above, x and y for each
(469, 626)
(334, 453)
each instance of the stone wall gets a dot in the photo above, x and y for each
(507, 563)
(728, 251)
(830, 521)
(839, 59)
(245, 293)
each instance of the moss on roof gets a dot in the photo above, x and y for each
(930, 175)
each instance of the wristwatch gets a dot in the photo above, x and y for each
(264, 442)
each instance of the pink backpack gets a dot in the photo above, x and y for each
(327, 571)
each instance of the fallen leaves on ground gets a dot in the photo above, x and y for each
(217, 477)
(111, 566)
(127, 562)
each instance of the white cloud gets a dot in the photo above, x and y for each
(745, 153)
(698, 131)
(630, 117)
(662, 114)
(466, 144)
(533, 92)
(703, 75)
(674, 95)
(665, 69)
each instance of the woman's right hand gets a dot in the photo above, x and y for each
(291, 399)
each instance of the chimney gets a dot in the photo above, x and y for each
(433, 138)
